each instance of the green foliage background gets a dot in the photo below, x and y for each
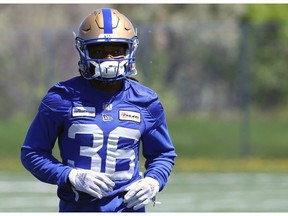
(190, 54)
(268, 63)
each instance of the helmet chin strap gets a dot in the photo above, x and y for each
(109, 69)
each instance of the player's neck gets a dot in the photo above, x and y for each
(115, 86)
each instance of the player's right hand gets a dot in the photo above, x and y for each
(94, 183)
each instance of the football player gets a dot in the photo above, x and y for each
(100, 118)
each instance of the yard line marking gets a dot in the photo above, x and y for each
(26, 186)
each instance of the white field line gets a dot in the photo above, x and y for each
(19, 195)
(26, 187)
(185, 192)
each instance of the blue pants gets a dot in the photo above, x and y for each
(106, 204)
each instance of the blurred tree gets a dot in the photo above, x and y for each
(269, 41)
(188, 52)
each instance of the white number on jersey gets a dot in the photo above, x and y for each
(113, 153)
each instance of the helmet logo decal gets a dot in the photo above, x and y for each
(107, 18)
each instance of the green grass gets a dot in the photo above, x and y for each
(222, 137)
(202, 143)
(269, 137)
(12, 135)
(195, 137)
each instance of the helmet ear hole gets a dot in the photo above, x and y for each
(92, 70)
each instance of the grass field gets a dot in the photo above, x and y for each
(209, 175)
(195, 136)
(202, 144)
(185, 192)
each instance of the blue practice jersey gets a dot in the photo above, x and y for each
(101, 131)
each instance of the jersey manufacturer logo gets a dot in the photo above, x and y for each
(107, 106)
(81, 111)
(129, 116)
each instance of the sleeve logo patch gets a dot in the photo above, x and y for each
(129, 116)
(81, 111)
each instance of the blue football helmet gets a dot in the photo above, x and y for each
(106, 26)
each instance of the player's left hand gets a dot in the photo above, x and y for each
(141, 192)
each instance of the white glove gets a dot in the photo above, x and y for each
(94, 183)
(141, 192)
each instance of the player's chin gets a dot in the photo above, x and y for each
(108, 81)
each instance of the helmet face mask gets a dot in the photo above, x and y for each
(108, 50)
(103, 33)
